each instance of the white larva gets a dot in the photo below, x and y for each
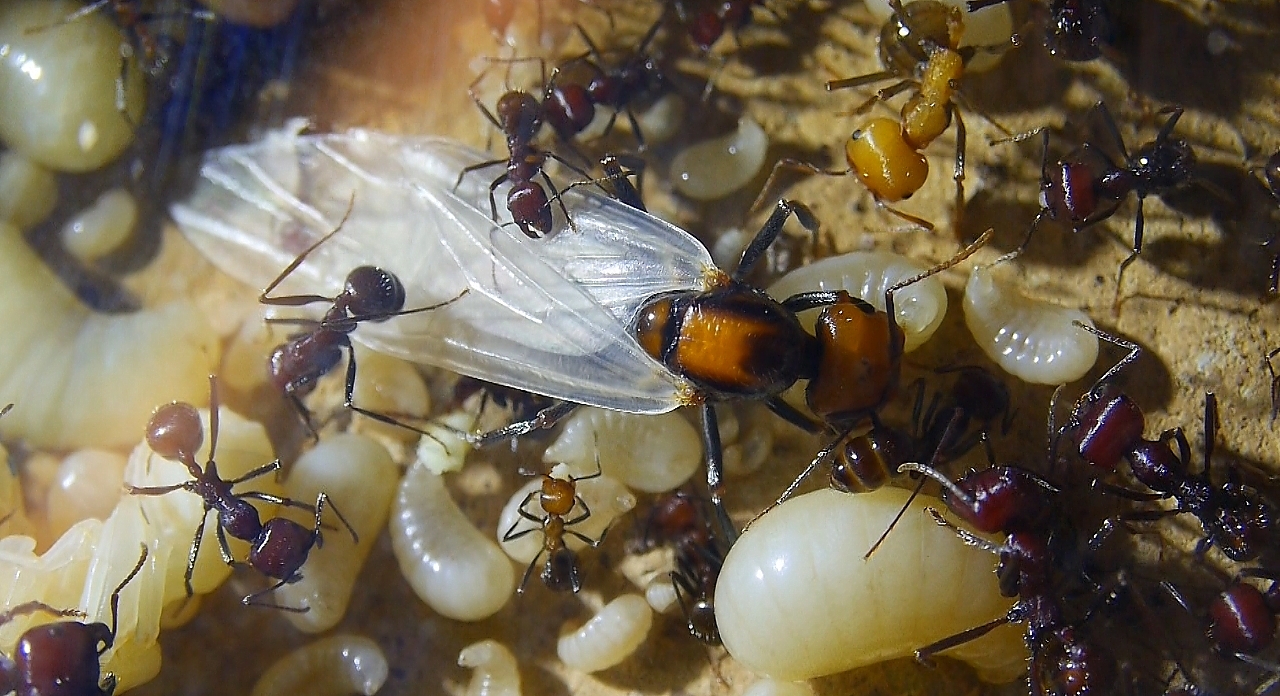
(920, 306)
(359, 477)
(661, 595)
(796, 600)
(447, 449)
(607, 499)
(54, 350)
(714, 168)
(88, 484)
(653, 454)
(772, 687)
(1033, 340)
(389, 385)
(609, 637)
(496, 673)
(101, 228)
(28, 191)
(458, 571)
(335, 666)
(989, 26)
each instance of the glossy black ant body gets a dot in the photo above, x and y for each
(1087, 186)
(558, 498)
(62, 658)
(1076, 30)
(369, 294)
(279, 546)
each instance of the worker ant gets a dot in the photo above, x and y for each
(679, 520)
(1087, 186)
(62, 658)
(1240, 621)
(1075, 30)
(557, 497)
(709, 21)
(1275, 382)
(1271, 178)
(919, 46)
(279, 546)
(369, 294)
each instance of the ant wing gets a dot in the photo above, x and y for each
(546, 315)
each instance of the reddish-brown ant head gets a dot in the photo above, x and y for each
(557, 496)
(861, 465)
(1156, 466)
(62, 658)
(520, 115)
(1240, 621)
(859, 364)
(1110, 424)
(529, 208)
(560, 572)
(281, 548)
(570, 108)
(175, 432)
(372, 294)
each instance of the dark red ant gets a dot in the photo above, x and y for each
(676, 519)
(296, 366)
(1076, 30)
(557, 497)
(278, 547)
(62, 658)
(1087, 186)
(711, 19)
(1241, 620)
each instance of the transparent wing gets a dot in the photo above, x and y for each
(545, 315)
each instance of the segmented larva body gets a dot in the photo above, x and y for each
(335, 666)
(359, 477)
(496, 673)
(607, 499)
(609, 637)
(453, 567)
(648, 453)
(796, 599)
(714, 168)
(772, 687)
(1033, 340)
(867, 274)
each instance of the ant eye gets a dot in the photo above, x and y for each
(374, 291)
(175, 431)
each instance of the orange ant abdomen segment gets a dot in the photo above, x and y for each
(928, 113)
(859, 365)
(557, 496)
(886, 163)
(732, 341)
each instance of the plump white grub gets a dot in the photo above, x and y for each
(989, 26)
(453, 567)
(773, 687)
(867, 274)
(392, 387)
(662, 119)
(447, 450)
(28, 191)
(609, 637)
(80, 379)
(1033, 340)
(496, 673)
(88, 484)
(793, 602)
(715, 168)
(244, 362)
(103, 227)
(649, 453)
(338, 665)
(359, 477)
(607, 499)
(661, 595)
(59, 80)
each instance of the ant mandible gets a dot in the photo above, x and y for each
(278, 547)
(369, 294)
(557, 497)
(62, 658)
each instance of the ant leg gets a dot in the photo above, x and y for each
(223, 546)
(889, 309)
(1275, 378)
(1129, 358)
(1166, 130)
(913, 219)
(1133, 255)
(958, 175)
(475, 168)
(323, 499)
(74, 16)
(816, 299)
(511, 532)
(115, 595)
(793, 415)
(1127, 493)
(770, 231)
(1110, 124)
(252, 600)
(915, 492)
(349, 395)
(545, 418)
(193, 553)
(260, 471)
(299, 300)
(586, 512)
(881, 96)
(925, 655)
(635, 128)
(715, 470)
(524, 579)
(824, 454)
(793, 165)
(966, 537)
(28, 608)
(859, 81)
(555, 194)
(157, 490)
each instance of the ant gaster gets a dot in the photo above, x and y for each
(279, 546)
(62, 658)
(558, 498)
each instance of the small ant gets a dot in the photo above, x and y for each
(1271, 178)
(1275, 382)
(62, 658)
(369, 294)
(1241, 620)
(278, 547)
(1087, 186)
(1076, 30)
(711, 19)
(557, 497)
(919, 46)
(680, 520)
